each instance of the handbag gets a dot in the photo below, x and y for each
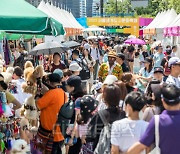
(43, 140)
(156, 150)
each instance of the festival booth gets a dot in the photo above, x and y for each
(162, 20)
(174, 28)
(72, 27)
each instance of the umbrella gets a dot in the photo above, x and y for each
(131, 36)
(92, 37)
(18, 16)
(71, 44)
(94, 29)
(135, 41)
(47, 48)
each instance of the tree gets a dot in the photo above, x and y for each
(123, 6)
(156, 6)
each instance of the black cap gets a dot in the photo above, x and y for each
(18, 71)
(54, 77)
(76, 52)
(158, 69)
(121, 55)
(149, 60)
(87, 104)
(74, 81)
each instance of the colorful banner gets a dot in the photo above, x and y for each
(112, 21)
(145, 21)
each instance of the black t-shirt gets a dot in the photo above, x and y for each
(96, 125)
(125, 68)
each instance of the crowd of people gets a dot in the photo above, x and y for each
(102, 97)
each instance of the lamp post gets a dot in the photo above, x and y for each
(101, 7)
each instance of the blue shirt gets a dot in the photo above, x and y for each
(158, 59)
(169, 132)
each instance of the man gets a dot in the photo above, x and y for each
(110, 68)
(158, 73)
(117, 47)
(95, 53)
(158, 57)
(173, 78)
(75, 56)
(126, 132)
(174, 51)
(57, 63)
(169, 125)
(50, 105)
(120, 60)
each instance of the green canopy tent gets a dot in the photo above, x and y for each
(18, 16)
(12, 36)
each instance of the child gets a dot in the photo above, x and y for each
(88, 106)
(126, 132)
(136, 66)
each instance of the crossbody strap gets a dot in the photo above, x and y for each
(156, 117)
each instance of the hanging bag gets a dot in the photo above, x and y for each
(157, 149)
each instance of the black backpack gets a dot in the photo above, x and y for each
(65, 115)
(85, 72)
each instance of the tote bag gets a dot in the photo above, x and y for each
(156, 150)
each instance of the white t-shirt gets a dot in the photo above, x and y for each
(126, 132)
(95, 53)
(173, 80)
(20, 95)
(137, 62)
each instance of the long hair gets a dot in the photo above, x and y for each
(89, 55)
(78, 92)
(150, 65)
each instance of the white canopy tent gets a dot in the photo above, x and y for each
(162, 20)
(71, 25)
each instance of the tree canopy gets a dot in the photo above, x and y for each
(154, 6)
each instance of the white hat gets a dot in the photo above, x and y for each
(98, 86)
(173, 61)
(74, 67)
(110, 79)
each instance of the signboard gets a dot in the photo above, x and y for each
(132, 23)
(112, 21)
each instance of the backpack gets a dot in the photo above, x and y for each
(167, 70)
(65, 115)
(85, 72)
(104, 143)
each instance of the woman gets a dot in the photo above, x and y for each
(153, 96)
(146, 73)
(111, 96)
(90, 63)
(123, 94)
(129, 80)
(75, 90)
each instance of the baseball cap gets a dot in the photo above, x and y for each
(74, 81)
(98, 86)
(75, 67)
(121, 55)
(158, 69)
(59, 72)
(149, 60)
(173, 61)
(54, 77)
(110, 79)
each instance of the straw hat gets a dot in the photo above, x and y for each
(112, 54)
